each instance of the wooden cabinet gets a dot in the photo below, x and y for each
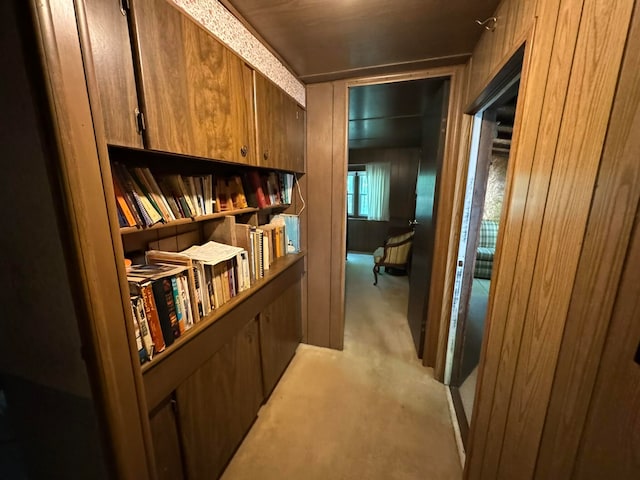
(218, 403)
(113, 67)
(280, 127)
(166, 442)
(280, 333)
(198, 97)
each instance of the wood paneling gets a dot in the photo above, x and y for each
(190, 106)
(601, 263)
(514, 19)
(338, 213)
(218, 403)
(166, 442)
(80, 162)
(525, 135)
(319, 168)
(611, 439)
(577, 155)
(538, 251)
(113, 64)
(279, 335)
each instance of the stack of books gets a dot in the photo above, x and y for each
(269, 189)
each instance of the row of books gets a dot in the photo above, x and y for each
(173, 291)
(144, 199)
(269, 189)
(161, 305)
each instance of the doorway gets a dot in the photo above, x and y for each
(491, 139)
(396, 144)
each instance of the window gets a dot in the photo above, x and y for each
(357, 193)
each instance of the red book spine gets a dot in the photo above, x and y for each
(152, 317)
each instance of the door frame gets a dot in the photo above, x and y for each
(434, 349)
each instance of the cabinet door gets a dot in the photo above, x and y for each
(280, 333)
(186, 74)
(113, 63)
(218, 403)
(270, 113)
(166, 443)
(295, 138)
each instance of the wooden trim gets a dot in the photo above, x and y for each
(177, 363)
(461, 416)
(93, 260)
(339, 213)
(600, 269)
(487, 134)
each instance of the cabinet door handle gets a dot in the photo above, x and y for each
(244, 150)
(266, 154)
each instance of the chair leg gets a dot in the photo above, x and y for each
(376, 269)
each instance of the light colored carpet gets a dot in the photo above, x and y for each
(369, 412)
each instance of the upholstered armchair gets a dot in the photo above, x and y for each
(394, 254)
(486, 249)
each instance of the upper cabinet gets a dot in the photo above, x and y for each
(113, 66)
(281, 127)
(198, 97)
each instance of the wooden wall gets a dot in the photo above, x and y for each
(552, 268)
(364, 235)
(326, 173)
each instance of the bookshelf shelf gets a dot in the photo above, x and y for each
(183, 221)
(202, 218)
(170, 367)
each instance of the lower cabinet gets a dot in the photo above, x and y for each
(166, 442)
(280, 333)
(218, 403)
(206, 412)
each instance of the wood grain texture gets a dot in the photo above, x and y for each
(528, 116)
(601, 263)
(91, 225)
(113, 65)
(338, 243)
(319, 159)
(511, 314)
(166, 443)
(611, 440)
(185, 356)
(157, 33)
(218, 403)
(585, 117)
(242, 110)
(197, 94)
(271, 123)
(280, 333)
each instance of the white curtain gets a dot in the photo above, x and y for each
(378, 180)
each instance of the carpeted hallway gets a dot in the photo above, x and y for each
(369, 412)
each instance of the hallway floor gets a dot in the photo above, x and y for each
(369, 412)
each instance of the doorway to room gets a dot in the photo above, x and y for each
(491, 138)
(396, 142)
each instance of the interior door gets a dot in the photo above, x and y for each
(433, 136)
